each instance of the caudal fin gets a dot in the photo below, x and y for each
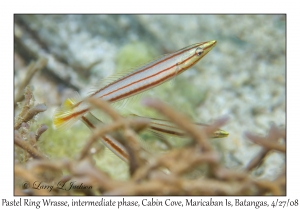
(65, 116)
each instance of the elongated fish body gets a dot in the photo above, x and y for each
(154, 73)
(155, 125)
(169, 128)
(141, 79)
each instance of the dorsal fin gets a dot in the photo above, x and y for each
(120, 74)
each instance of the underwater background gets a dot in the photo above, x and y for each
(243, 77)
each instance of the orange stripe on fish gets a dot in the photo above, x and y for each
(115, 146)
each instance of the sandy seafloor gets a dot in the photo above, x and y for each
(243, 77)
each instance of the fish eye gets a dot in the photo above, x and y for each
(199, 51)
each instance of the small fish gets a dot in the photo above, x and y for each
(141, 79)
(167, 127)
(157, 126)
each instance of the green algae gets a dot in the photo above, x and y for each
(63, 143)
(133, 55)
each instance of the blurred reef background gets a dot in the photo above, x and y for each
(243, 77)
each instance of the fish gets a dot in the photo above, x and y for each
(139, 80)
(157, 126)
(166, 127)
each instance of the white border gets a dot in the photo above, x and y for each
(8, 8)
